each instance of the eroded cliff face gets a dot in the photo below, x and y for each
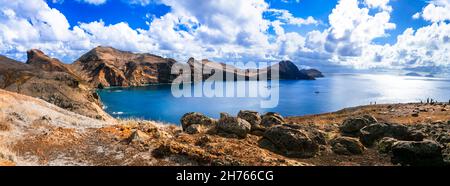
(48, 79)
(106, 66)
(38, 59)
(286, 70)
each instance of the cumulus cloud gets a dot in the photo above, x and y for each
(287, 17)
(351, 34)
(437, 10)
(381, 4)
(353, 28)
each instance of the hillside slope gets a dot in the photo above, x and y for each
(47, 78)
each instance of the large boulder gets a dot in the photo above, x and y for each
(374, 132)
(317, 135)
(252, 117)
(271, 119)
(352, 125)
(233, 125)
(417, 153)
(137, 137)
(385, 145)
(346, 146)
(290, 142)
(195, 129)
(195, 118)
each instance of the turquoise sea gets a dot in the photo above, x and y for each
(296, 97)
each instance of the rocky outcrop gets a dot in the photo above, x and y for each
(251, 117)
(385, 144)
(195, 122)
(233, 125)
(271, 119)
(291, 142)
(38, 59)
(312, 73)
(417, 153)
(287, 70)
(106, 66)
(346, 146)
(352, 125)
(374, 132)
(46, 78)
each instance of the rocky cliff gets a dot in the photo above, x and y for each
(106, 66)
(48, 79)
(312, 73)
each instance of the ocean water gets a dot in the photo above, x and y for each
(296, 97)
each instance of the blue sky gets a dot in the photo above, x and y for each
(347, 34)
(116, 11)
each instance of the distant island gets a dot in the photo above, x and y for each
(414, 74)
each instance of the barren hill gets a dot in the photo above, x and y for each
(50, 80)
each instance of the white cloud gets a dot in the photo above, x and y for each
(139, 2)
(352, 28)
(437, 10)
(381, 4)
(416, 15)
(94, 2)
(32, 24)
(287, 17)
(352, 32)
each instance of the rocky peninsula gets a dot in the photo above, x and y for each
(51, 115)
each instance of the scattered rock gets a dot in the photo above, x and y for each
(192, 118)
(346, 146)
(252, 117)
(138, 136)
(415, 114)
(271, 119)
(195, 129)
(317, 135)
(376, 131)
(290, 142)
(385, 145)
(352, 125)
(233, 125)
(370, 118)
(417, 153)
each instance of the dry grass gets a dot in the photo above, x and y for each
(5, 126)
(392, 113)
(7, 157)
